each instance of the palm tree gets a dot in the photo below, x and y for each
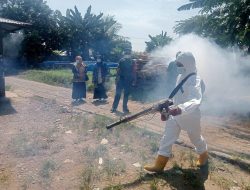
(205, 5)
(192, 5)
(89, 32)
(157, 41)
(226, 21)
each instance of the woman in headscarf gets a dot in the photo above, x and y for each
(79, 80)
(99, 76)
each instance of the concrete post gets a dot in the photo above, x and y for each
(2, 81)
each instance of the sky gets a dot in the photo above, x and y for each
(138, 18)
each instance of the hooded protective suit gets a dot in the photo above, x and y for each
(188, 99)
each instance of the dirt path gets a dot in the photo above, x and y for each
(219, 132)
(46, 143)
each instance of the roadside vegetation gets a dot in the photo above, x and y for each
(61, 77)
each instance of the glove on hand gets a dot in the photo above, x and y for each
(174, 110)
(164, 115)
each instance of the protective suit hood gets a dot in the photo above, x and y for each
(188, 99)
(188, 61)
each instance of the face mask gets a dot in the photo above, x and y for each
(78, 61)
(99, 60)
(181, 70)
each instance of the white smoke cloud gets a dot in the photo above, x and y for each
(227, 88)
(12, 44)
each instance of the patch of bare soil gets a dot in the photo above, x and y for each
(46, 143)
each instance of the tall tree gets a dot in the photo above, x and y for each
(42, 37)
(95, 32)
(157, 41)
(119, 45)
(51, 30)
(226, 21)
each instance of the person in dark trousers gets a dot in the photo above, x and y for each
(125, 78)
(79, 80)
(100, 73)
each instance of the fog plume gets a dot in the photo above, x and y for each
(223, 71)
(12, 46)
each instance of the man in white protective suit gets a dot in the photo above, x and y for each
(184, 115)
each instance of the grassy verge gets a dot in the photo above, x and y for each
(63, 78)
(60, 77)
(52, 77)
(7, 87)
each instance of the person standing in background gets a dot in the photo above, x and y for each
(125, 78)
(79, 80)
(100, 73)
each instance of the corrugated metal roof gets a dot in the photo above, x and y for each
(11, 25)
(8, 21)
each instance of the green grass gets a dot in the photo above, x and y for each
(22, 147)
(95, 153)
(60, 77)
(7, 87)
(89, 175)
(48, 166)
(113, 168)
(114, 187)
(4, 176)
(113, 72)
(154, 184)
